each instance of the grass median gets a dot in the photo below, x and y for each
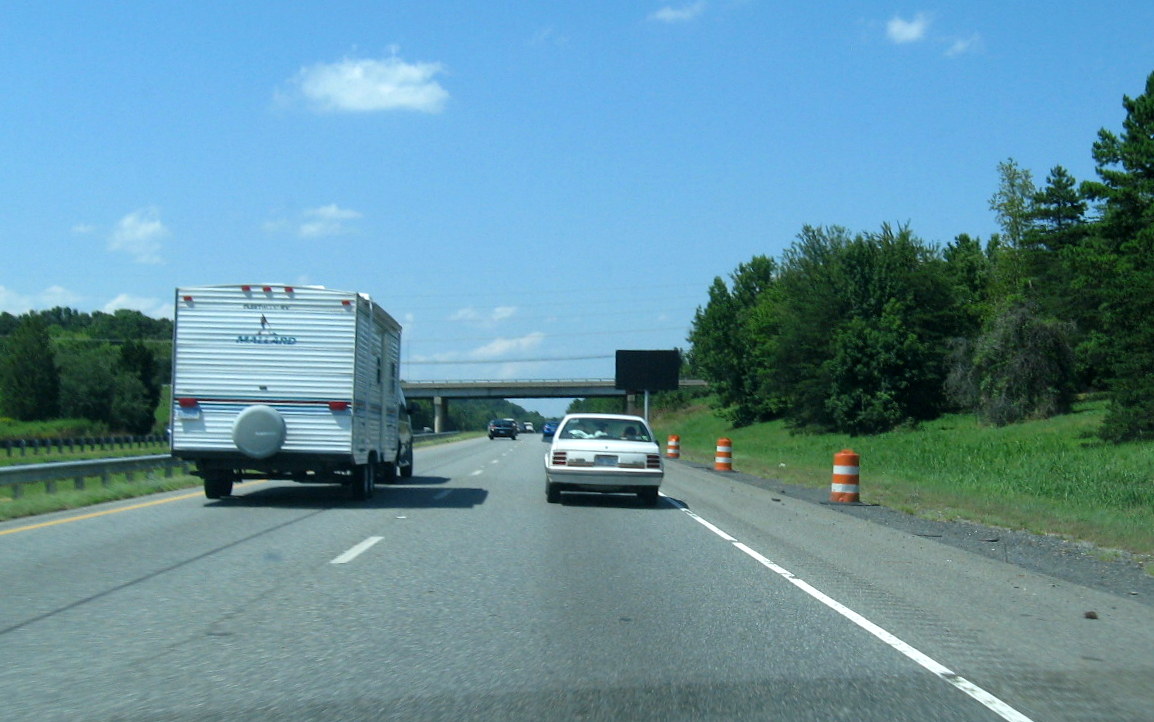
(35, 498)
(1047, 477)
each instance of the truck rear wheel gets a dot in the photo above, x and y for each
(388, 473)
(407, 469)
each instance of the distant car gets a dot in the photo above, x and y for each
(502, 427)
(527, 426)
(603, 453)
(548, 429)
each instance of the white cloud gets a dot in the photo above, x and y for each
(963, 46)
(436, 358)
(902, 31)
(685, 13)
(139, 234)
(501, 346)
(321, 222)
(472, 315)
(83, 229)
(18, 303)
(548, 37)
(330, 220)
(54, 296)
(361, 86)
(466, 314)
(148, 306)
(13, 302)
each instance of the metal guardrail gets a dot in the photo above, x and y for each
(80, 471)
(430, 435)
(104, 469)
(22, 447)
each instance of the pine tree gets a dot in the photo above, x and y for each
(29, 381)
(1123, 243)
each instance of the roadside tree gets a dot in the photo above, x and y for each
(1119, 259)
(29, 380)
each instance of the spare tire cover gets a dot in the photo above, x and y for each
(259, 431)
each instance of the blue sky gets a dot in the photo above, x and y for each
(526, 186)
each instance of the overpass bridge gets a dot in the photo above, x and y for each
(441, 392)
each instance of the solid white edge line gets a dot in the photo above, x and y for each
(356, 551)
(698, 519)
(989, 701)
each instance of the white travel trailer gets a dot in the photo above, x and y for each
(288, 382)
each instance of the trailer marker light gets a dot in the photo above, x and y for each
(288, 289)
(346, 302)
(246, 288)
(188, 299)
(186, 402)
(267, 289)
(339, 405)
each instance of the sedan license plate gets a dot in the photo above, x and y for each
(604, 460)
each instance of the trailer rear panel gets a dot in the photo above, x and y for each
(275, 377)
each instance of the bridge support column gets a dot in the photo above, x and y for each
(440, 413)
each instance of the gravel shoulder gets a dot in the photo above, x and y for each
(1071, 561)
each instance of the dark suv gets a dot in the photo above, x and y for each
(502, 427)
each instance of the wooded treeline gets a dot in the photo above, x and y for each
(104, 368)
(864, 332)
(109, 369)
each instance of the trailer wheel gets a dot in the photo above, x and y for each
(217, 485)
(363, 481)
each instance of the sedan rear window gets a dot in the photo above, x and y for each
(619, 429)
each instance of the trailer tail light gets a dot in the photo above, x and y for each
(346, 302)
(266, 289)
(188, 408)
(246, 289)
(188, 299)
(559, 458)
(653, 461)
(289, 289)
(338, 405)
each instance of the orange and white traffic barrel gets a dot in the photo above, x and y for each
(673, 447)
(723, 461)
(846, 469)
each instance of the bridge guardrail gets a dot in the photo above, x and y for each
(80, 471)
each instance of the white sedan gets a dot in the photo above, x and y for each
(603, 453)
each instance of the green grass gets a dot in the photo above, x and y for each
(34, 498)
(1050, 477)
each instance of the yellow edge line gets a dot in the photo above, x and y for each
(95, 514)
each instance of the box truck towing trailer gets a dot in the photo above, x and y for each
(288, 382)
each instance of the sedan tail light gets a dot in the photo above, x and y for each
(559, 458)
(653, 461)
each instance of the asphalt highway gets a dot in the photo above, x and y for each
(462, 594)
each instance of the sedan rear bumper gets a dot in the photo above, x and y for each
(604, 479)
